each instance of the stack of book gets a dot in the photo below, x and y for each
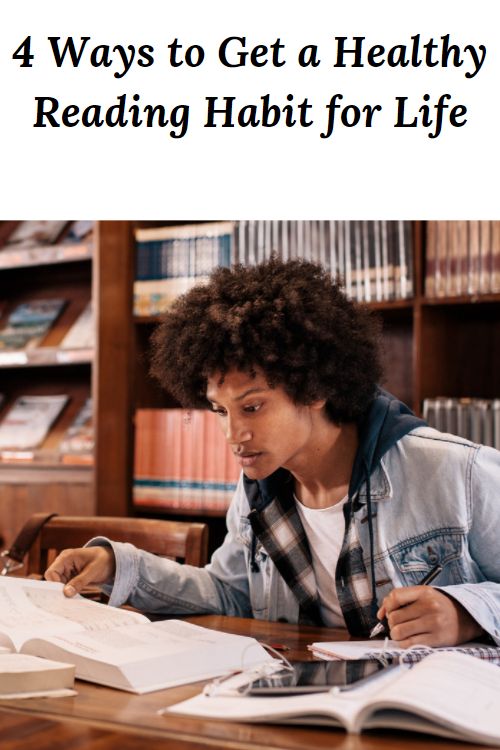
(170, 260)
(477, 419)
(182, 461)
(462, 258)
(373, 259)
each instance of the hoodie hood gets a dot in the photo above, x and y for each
(386, 422)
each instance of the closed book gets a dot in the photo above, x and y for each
(22, 673)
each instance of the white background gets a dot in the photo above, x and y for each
(277, 172)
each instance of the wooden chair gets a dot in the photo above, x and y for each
(178, 540)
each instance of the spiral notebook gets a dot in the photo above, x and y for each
(390, 651)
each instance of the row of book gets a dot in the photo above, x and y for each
(170, 260)
(462, 258)
(27, 422)
(29, 322)
(26, 243)
(477, 419)
(373, 259)
(182, 461)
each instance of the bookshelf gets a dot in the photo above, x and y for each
(446, 346)
(76, 273)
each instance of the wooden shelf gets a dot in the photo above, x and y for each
(45, 356)
(45, 479)
(45, 255)
(475, 299)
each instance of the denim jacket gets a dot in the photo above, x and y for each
(435, 498)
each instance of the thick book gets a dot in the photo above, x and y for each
(29, 419)
(116, 647)
(22, 674)
(447, 694)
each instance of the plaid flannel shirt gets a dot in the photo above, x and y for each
(276, 523)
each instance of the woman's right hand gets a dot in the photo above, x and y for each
(77, 568)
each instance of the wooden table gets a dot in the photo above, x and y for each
(100, 718)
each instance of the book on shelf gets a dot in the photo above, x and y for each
(29, 322)
(373, 259)
(446, 694)
(77, 231)
(81, 335)
(26, 675)
(32, 233)
(462, 258)
(77, 445)
(115, 647)
(475, 419)
(171, 260)
(26, 424)
(28, 243)
(182, 460)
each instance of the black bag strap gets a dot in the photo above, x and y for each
(14, 556)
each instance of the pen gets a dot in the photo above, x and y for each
(383, 625)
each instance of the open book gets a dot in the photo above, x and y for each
(115, 647)
(447, 694)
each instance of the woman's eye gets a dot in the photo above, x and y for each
(219, 412)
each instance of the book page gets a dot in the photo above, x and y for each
(311, 709)
(457, 691)
(31, 608)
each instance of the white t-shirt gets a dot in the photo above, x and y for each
(324, 528)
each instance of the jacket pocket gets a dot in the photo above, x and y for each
(416, 557)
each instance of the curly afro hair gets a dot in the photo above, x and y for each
(289, 320)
